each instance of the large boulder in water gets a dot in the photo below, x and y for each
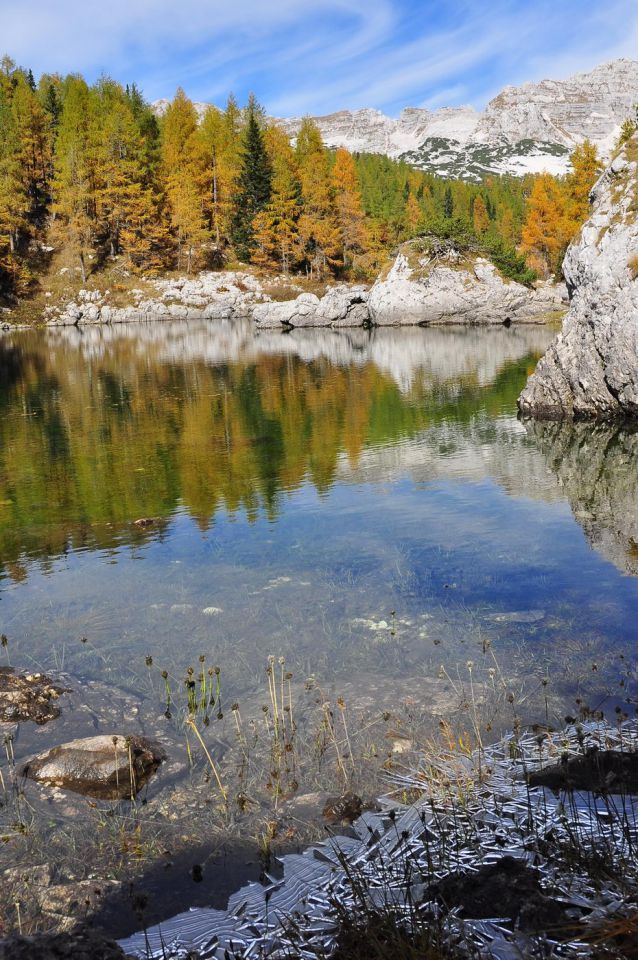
(431, 282)
(108, 767)
(341, 306)
(591, 369)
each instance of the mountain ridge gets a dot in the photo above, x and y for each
(523, 129)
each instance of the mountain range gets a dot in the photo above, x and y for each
(525, 129)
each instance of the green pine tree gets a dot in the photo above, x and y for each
(253, 189)
(448, 204)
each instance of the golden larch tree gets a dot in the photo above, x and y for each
(350, 217)
(318, 227)
(184, 177)
(480, 216)
(277, 241)
(547, 228)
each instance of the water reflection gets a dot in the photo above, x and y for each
(104, 426)
(302, 488)
(596, 466)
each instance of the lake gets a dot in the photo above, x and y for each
(363, 505)
(302, 488)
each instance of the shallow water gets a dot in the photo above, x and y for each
(365, 504)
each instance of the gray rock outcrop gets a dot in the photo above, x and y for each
(341, 306)
(591, 369)
(418, 290)
(450, 287)
(106, 767)
(208, 296)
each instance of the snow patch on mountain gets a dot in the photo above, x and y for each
(526, 129)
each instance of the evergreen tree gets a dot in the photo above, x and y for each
(253, 186)
(50, 99)
(448, 204)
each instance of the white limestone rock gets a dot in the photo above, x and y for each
(446, 287)
(523, 129)
(341, 306)
(289, 313)
(591, 369)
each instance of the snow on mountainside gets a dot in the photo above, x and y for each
(524, 129)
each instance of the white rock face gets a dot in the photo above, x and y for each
(591, 370)
(371, 131)
(452, 289)
(588, 105)
(524, 129)
(341, 306)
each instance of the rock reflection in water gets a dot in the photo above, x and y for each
(596, 466)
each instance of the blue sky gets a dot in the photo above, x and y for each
(320, 55)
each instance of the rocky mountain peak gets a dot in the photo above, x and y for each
(524, 129)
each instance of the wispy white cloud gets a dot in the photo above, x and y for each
(319, 57)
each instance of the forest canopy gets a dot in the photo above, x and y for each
(98, 167)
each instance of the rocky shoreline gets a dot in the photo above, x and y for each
(428, 284)
(494, 846)
(481, 853)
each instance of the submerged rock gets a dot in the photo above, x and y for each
(343, 809)
(107, 767)
(27, 697)
(438, 284)
(591, 369)
(517, 616)
(597, 771)
(508, 888)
